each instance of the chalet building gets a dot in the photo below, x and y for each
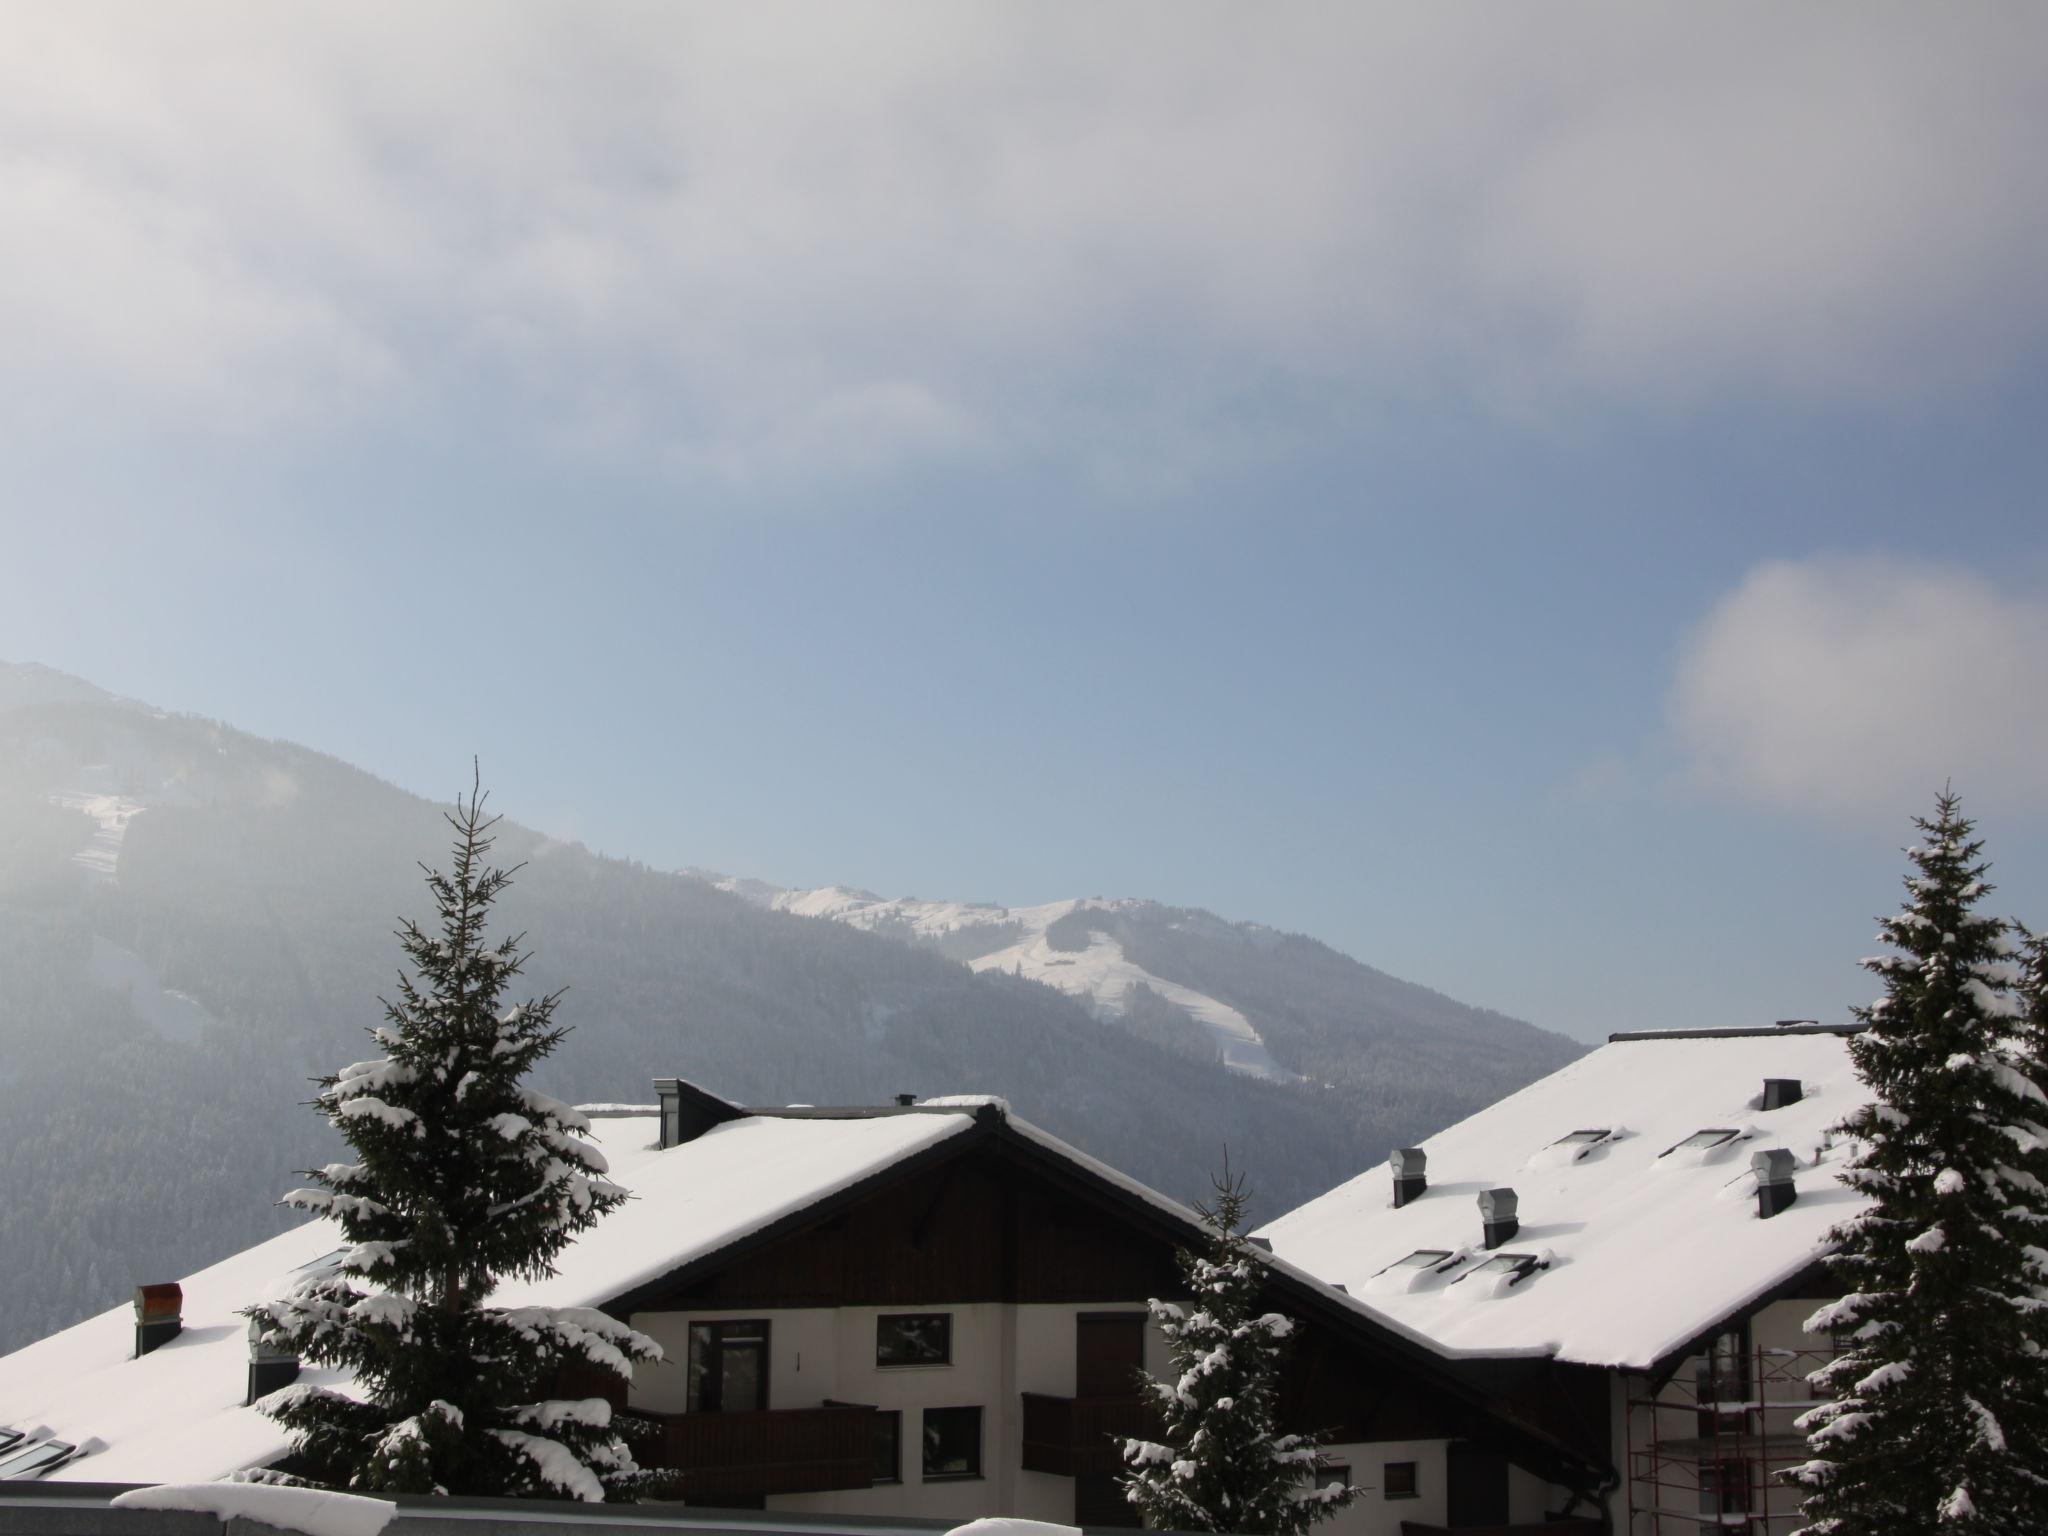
(1657, 1213)
(929, 1310)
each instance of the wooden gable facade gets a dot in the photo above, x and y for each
(998, 1224)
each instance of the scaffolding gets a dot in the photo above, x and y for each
(1720, 1436)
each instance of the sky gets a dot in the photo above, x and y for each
(1534, 497)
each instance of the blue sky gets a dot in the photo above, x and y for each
(1533, 501)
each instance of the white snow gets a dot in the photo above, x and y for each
(177, 1413)
(310, 1510)
(102, 855)
(1646, 1252)
(1101, 975)
(1004, 1525)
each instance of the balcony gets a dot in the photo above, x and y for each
(1080, 1436)
(735, 1456)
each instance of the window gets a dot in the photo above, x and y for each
(952, 1443)
(1582, 1139)
(914, 1338)
(33, 1459)
(1398, 1481)
(1724, 1487)
(728, 1367)
(1422, 1258)
(889, 1446)
(1721, 1375)
(1700, 1141)
(1520, 1265)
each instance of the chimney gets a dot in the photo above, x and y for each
(270, 1366)
(687, 1111)
(1780, 1091)
(1497, 1216)
(1774, 1187)
(1409, 1165)
(905, 1100)
(159, 1315)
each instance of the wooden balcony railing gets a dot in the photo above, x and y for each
(777, 1450)
(1082, 1436)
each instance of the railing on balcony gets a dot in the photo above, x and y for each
(1082, 1436)
(777, 1450)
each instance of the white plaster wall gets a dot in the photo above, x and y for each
(999, 1353)
(1373, 1513)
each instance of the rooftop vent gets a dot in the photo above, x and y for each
(1781, 1091)
(1497, 1217)
(687, 1111)
(1410, 1180)
(1263, 1244)
(159, 1315)
(270, 1365)
(1774, 1187)
(905, 1100)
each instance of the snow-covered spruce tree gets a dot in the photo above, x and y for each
(1939, 1412)
(462, 1177)
(1223, 1465)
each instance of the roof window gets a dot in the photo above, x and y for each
(1518, 1265)
(1701, 1141)
(1422, 1258)
(33, 1459)
(1582, 1139)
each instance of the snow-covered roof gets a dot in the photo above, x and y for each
(1649, 1243)
(176, 1414)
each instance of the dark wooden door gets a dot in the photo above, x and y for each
(1109, 1350)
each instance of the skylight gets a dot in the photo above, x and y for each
(1507, 1264)
(33, 1459)
(326, 1260)
(1700, 1141)
(1582, 1139)
(8, 1436)
(1422, 1258)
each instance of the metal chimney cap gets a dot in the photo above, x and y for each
(1408, 1162)
(1774, 1166)
(1497, 1204)
(159, 1303)
(905, 1100)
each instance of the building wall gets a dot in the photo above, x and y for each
(1000, 1351)
(1375, 1513)
(1660, 1449)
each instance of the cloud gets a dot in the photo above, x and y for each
(1856, 687)
(745, 232)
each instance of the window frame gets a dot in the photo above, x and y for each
(892, 1418)
(974, 1472)
(1413, 1475)
(716, 1326)
(885, 1318)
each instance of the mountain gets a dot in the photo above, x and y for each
(1267, 1004)
(195, 922)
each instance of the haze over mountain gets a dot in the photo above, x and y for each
(194, 922)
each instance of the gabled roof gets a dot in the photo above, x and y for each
(1648, 1244)
(177, 1414)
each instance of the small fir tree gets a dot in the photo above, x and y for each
(1938, 1418)
(1223, 1465)
(462, 1177)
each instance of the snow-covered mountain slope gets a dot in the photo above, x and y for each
(1021, 941)
(1276, 1006)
